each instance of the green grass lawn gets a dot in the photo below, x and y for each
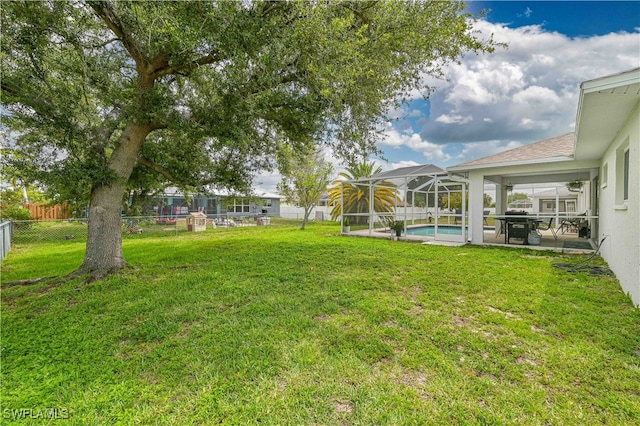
(287, 327)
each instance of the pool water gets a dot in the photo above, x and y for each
(429, 230)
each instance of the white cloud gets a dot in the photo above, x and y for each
(388, 165)
(536, 95)
(483, 83)
(401, 164)
(451, 119)
(267, 181)
(527, 92)
(432, 152)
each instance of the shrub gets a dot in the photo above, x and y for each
(15, 213)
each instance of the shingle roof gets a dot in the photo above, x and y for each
(560, 147)
(412, 171)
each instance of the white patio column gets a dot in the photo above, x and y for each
(502, 197)
(476, 207)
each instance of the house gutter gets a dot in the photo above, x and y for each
(510, 163)
(458, 178)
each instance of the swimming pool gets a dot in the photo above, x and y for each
(429, 230)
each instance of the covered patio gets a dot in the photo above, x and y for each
(549, 162)
(566, 241)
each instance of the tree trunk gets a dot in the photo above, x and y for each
(104, 241)
(307, 212)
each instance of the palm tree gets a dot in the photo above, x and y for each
(356, 196)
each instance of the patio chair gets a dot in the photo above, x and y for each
(543, 226)
(572, 224)
(485, 215)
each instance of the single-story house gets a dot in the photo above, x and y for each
(559, 200)
(604, 153)
(173, 203)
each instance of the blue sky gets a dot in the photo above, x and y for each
(518, 95)
(522, 94)
(573, 18)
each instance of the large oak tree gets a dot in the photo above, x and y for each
(204, 92)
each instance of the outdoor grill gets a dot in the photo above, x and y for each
(517, 227)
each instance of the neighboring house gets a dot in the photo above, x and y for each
(526, 205)
(560, 200)
(173, 203)
(604, 152)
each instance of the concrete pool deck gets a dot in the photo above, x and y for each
(563, 243)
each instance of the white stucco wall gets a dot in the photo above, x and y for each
(620, 222)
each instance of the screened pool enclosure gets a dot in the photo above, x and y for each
(427, 200)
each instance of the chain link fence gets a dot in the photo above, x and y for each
(40, 231)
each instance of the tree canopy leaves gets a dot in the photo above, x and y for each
(218, 83)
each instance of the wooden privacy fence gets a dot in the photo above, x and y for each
(42, 211)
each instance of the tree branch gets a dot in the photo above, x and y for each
(268, 7)
(103, 44)
(158, 169)
(167, 174)
(211, 58)
(360, 12)
(105, 11)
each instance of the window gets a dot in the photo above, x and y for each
(625, 184)
(604, 178)
(622, 174)
(241, 205)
